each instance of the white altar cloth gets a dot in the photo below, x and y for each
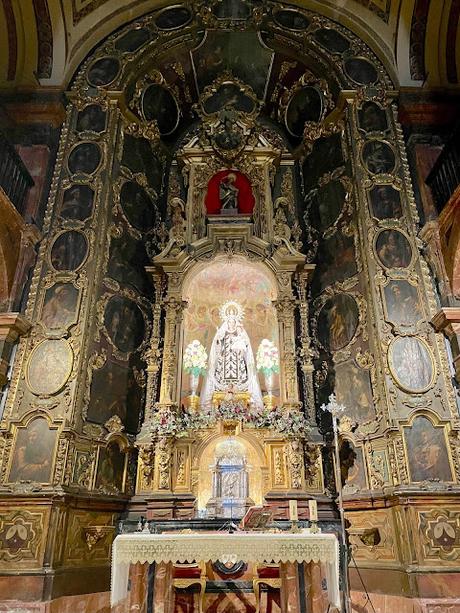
(212, 546)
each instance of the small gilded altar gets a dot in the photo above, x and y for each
(228, 422)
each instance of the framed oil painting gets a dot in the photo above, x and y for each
(290, 19)
(111, 466)
(372, 118)
(353, 388)
(127, 262)
(229, 94)
(361, 71)
(305, 105)
(352, 467)
(402, 303)
(137, 206)
(427, 453)
(139, 156)
(69, 250)
(84, 158)
(411, 364)
(337, 260)
(327, 204)
(338, 321)
(385, 202)
(124, 323)
(115, 391)
(327, 155)
(60, 306)
(103, 72)
(233, 9)
(378, 157)
(331, 40)
(91, 119)
(77, 202)
(49, 366)
(393, 249)
(173, 18)
(159, 104)
(33, 452)
(133, 40)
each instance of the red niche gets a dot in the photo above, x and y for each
(245, 196)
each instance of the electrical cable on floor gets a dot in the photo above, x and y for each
(368, 598)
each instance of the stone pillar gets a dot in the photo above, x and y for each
(289, 594)
(12, 326)
(139, 581)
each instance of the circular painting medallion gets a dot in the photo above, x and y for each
(411, 364)
(361, 71)
(291, 20)
(103, 71)
(158, 103)
(173, 17)
(393, 249)
(84, 158)
(124, 323)
(49, 366)
(338, 321)
(69, 250)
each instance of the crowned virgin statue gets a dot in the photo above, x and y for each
(231, 361)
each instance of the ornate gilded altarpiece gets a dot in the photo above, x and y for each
(303, 116)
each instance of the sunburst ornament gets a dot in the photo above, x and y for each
(231, 307)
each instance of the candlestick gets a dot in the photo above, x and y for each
(293, 513)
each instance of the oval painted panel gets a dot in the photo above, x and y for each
(159, 104)
(137, 206)
(124, 323)
(393, 249)
(379, 157)
(411, 363)
(69, 250)
(305, 105)
(338, 321)
(361, 71)
(291, 19)
(331, 40)
(132, 40)
(84, 158)
(173, 18)
(49, 366)
(103, 71)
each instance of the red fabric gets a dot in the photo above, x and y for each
(245, 196)
(186, 572)
(268, 572)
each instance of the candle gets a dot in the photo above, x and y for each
(293, 515)
(313, 508)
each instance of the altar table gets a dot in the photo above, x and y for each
(250, 547)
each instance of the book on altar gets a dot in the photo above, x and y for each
(257, 518)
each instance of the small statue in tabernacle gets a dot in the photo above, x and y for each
(228, 193)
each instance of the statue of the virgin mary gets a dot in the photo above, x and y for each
(231, 361)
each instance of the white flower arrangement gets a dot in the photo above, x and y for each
(195, 358)
(267, 358)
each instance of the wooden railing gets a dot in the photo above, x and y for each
(444, 177)
(15, 179)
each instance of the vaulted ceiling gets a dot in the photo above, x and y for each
(42, 42)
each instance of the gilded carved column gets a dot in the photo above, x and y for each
(306, 352)
(174, 309)
(12, 326)
(285, 308)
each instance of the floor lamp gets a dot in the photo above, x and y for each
(337, 410)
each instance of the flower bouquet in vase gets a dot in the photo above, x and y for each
(267, 361)
(195, 362)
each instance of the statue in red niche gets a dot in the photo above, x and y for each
(229, 193)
